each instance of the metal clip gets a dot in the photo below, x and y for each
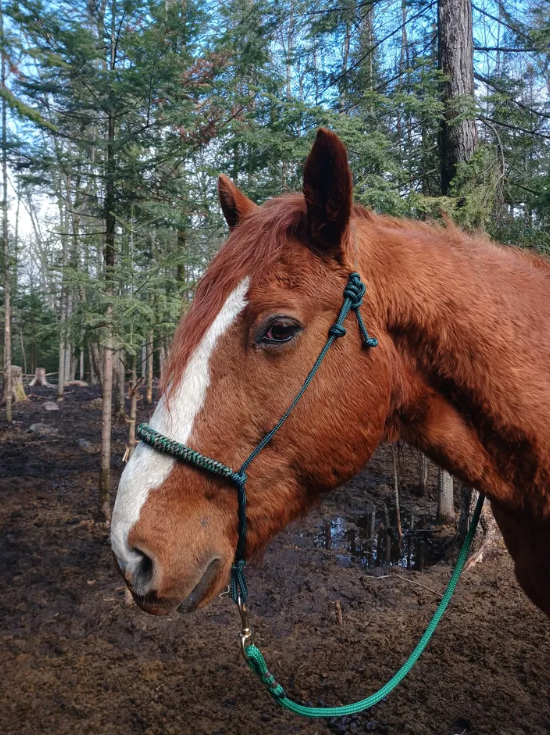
(246, 635)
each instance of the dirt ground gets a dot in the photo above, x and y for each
(76, 660)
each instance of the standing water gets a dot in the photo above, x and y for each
(371, 540)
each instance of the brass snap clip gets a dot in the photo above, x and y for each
(246, 635)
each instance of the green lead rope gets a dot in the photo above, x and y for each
(258, 665)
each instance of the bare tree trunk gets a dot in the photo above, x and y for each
(134, 397)
(396, 490)
(5, 238)
(81, 365)
(458, 137)
(144, 360)
(445, 498)
(120, 389)
(96, 375)
(61, 362)
(68, 372)
(109, 259)
(149, 393)
(162, 358)
(107, 394)
(423, 478)
(109, 256)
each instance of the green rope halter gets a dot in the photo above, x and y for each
(353, 298)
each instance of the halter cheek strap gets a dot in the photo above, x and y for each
(353, 298)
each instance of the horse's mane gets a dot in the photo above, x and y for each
(252, 249)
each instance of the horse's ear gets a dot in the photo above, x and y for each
(328, 192)
(235, 205)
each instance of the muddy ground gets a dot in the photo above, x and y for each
(76, 660)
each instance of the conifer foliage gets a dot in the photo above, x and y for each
(117, 116)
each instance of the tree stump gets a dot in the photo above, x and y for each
(17, 390)
(488, 540)
(39, 378)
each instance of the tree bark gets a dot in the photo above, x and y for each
(134, 397)
(458, 134)
(63, 307)
(162, 358)
(423, 475)
(120, 385)
(5, 239)
(396, 491)
(149, 392)
(96, 377)
(109, 257)
(445, 498)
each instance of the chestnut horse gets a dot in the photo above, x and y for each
(461, 372)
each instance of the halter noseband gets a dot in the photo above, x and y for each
(353, 298)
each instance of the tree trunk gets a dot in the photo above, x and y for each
(5, 239)
(144, 360)
(15, 386)
(149, 393)
(488, 540)
(109, 257)
(96, 376)
(423, 475)
(162, 358)
(105, 473)
(120, 386)
(63, 308)
(134, 397)
(396, 491)
(457, 137)
(39, 378)
(445, 498)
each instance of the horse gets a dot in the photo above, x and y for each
(460, 372)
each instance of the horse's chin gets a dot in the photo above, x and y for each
(154, 605)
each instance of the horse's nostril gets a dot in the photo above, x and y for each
(142, 573)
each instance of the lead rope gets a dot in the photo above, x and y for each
(353, 298)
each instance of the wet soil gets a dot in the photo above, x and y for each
(75, 659)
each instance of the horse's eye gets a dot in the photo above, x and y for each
(280, 330)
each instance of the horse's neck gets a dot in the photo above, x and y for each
(470, 327)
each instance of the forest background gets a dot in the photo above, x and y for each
(118, 115)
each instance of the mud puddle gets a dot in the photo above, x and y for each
(372, 539)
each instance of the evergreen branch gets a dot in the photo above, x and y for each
(514, 127)
(532, 110)
(502, 22)
(505, 50)
(375, 46)
(25, 111)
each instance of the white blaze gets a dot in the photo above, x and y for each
(147, 469)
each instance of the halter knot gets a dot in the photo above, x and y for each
(337, 331)
(355, 290)
(239, 478)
